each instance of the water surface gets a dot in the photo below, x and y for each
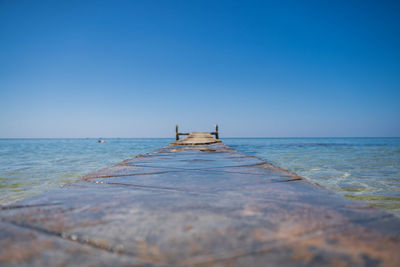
(366, 169)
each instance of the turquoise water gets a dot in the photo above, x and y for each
(367, 169)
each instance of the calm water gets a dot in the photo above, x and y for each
(366, 169)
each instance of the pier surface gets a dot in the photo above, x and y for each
(196, 202)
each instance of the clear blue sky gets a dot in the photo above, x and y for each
(258, 68)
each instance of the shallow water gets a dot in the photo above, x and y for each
(31, 166)
(367, 169)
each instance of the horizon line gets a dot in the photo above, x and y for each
(230, 137)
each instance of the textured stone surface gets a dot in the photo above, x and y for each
(196, 205)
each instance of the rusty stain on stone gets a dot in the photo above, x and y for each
(196, 202)
(188, 227)
(24, 252)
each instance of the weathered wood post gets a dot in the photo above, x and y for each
(176, 132)
(216, 131)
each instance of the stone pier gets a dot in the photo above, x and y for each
(196, 202)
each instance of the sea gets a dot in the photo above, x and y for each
(365, 169)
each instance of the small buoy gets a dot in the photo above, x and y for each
(101, 141)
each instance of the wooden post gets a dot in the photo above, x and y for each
(177, 133)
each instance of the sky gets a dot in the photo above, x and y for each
(257, 68)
